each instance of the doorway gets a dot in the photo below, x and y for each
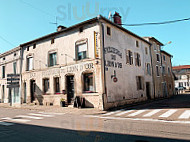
(24, 101)
(70, 88)
(148, 90)
(32, 90)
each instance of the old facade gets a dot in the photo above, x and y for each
(98, 60)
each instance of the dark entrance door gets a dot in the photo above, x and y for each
(32, 90)
(148, 90)
(70, 89)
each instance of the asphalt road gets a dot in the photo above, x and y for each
(24, 125)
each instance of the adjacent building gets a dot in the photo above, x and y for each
(97, 60)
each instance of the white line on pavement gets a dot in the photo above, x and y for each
(42, 115)
(137, 112)
(113, 112)
(124, 112)
(151, 113)
(168, 113)
(15, 120)
(185, 115)
(26, 116)
(139, 119)
(52, 113)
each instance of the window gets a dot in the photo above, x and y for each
(81, 29)
(28, 48)
(81, 51)
(163, 70)
(157, 71)
(108, 30)
(52, 40)
(184, 83)
(158, 57)
(14, 67)
(187, 83)
(34, 46)
(29, 63)
(140, 83)
(3, 58)
(164, 57)
(154, 46)
(45, 85)
(52, 59)
(158, 47)
(148, 69)
(137, 44)
(56, 85)
(129, 57)
(3, 71)
(168, 70)
(137, 59)
(14, 54)
(146, 50)
(88, 82)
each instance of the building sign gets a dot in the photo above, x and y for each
(13, 80)
(96, 45)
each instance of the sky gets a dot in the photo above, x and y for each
(25, 20)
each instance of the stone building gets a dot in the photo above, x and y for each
(9, 64)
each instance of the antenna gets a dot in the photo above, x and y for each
(55, 22)
(110, 16)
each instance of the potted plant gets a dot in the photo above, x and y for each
(62, 102)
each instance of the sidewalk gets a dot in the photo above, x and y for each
(55, 109)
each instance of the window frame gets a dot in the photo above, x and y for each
(157, 55)
(45, 91)
(108, 28)
(157, 71)
(55, 84)
(3, 71)
(50, 53)
(93, 82)
(27, 61)
(77, 44)
(140, 82)
(129, 57)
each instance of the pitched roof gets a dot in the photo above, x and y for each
(166, 53)
(154, 39)
(181, 67)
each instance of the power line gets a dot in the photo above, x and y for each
(7, 41)
(158, 23)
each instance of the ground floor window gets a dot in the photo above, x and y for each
(45, 85)
(140, 81)
(56, 85)
(88, 82)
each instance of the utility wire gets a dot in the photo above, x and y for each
(158, 23)
(7, 41)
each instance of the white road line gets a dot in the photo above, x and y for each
(113, 112)
(15, 120)
(185, 115)
(168, 113)
(6, 123)
(26, 116)
(151, 113)
(139, 119)
(137, 112)
(124, 112)
(42, 115)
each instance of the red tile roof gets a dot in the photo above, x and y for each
(181, 67)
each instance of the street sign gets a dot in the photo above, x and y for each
(13, 80)
(13, 86)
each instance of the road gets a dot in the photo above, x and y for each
(166, 120)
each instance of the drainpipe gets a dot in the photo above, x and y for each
(21, 61)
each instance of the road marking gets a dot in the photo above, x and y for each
(42, 115)
(15, 120)
(139, 119)
(137, 112)
(168, 113)
(110, 113)
(122, 113)
(26, 116)
(185, 115)
(152, 113)
(6, 123)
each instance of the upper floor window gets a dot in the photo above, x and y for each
(164, 57)
(148, 69)
(137, 43)
(81, 51)
(158, 57)
(129, 57)
(34, 46)
(137, 59)
(3, 71)
(52, 59)
(3, 58)
(146, 50)
(29, 63)
(14, 54)
(154, 46)
(28, 48)
(108, 30)
(163, 70)
(52, 40)
(81, 29)
(168, 70)
(157, 71)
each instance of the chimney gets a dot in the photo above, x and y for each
(59, 28)
(117, 18)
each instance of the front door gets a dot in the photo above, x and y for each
(70, 89)
(148, 90)
(32, 90)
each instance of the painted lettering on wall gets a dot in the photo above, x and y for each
(113, 51)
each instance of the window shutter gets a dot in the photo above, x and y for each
(127, 56)
(135, 54)
(137, 81)
(139, 60)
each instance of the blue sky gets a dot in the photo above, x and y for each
(25, 20)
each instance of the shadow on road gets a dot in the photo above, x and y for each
(32, 133)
